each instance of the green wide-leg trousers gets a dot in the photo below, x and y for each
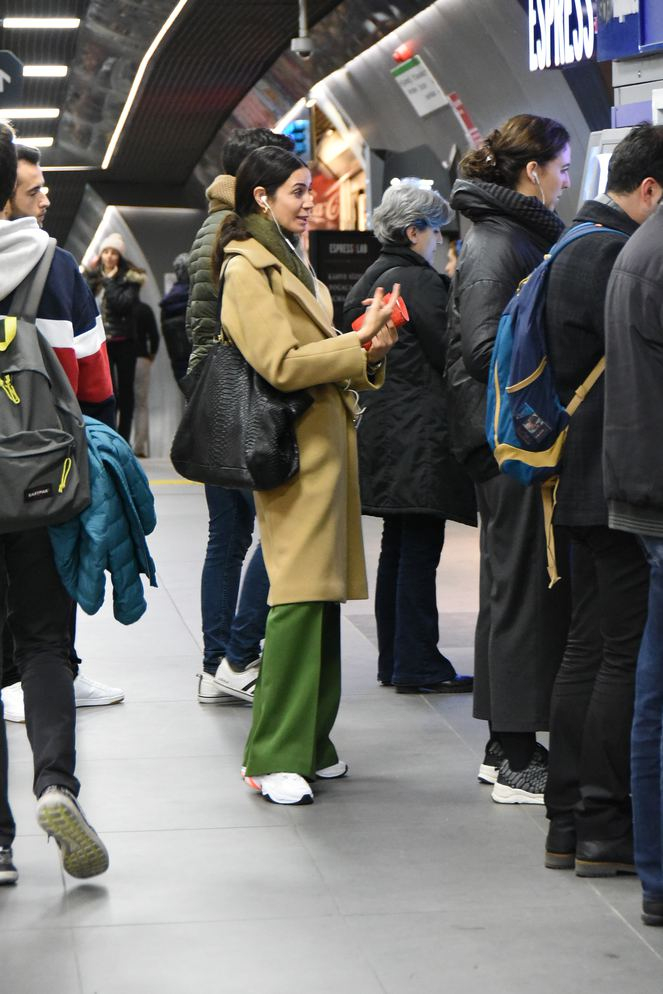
(298, 691)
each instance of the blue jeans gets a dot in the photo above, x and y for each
(406, 601)
(226, 633)
(647, 735)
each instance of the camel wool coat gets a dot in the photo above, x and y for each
(310, 526)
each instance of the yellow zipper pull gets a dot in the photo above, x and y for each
(10, 390)
(66, 469)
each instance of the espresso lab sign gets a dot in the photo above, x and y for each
(561, 33)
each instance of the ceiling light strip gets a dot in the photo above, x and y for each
(27, 113)
(45, 70)
(142, 68)
(32, 23)
(36, 142)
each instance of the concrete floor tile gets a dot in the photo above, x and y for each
(313, 955)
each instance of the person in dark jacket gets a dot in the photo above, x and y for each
(588, 789)
(510, 187)
(633, 480)
(407, 473)
(232, 632)
(116, 283)
(147, 346)
(173, 318)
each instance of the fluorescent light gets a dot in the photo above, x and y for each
(40, 22)
(36, 142)
(45, 70)
(27, 113)
(142, 68)
(67, 169)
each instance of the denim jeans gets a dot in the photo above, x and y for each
(406, 601)
(647, 735)
(226, 633)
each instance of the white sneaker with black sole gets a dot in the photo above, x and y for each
(282, 788)
(237, 683)
(82, 851)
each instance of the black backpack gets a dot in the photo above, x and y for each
(44, 476)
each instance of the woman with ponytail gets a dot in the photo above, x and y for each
(280, 317)
(509, 191)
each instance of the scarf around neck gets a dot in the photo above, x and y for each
(265, 231)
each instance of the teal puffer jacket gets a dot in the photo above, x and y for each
(202, 323)
(110, 533)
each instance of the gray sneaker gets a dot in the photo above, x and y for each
(82, 851)
(522, 786)
(8, 872)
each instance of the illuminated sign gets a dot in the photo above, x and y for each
(561, 33)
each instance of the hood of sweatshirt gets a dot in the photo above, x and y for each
(22, 244)
(221, 194)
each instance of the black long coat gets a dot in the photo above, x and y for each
(509, 235)
(405, 463)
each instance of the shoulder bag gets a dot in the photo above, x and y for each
(237, 431)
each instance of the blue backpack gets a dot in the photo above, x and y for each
(526, 423)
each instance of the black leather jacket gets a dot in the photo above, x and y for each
(508, 239)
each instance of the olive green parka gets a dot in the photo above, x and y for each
(202, 325)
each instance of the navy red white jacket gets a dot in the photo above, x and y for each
(68, 316)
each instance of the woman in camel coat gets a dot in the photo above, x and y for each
(279, 316)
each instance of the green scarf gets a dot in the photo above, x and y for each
(264, 230)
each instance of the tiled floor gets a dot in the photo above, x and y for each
(402, 879)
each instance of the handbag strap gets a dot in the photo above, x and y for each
(222, 337)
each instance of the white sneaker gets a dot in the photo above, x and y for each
(12, 702)
(334, 772)
(209, 691)
(282, 788)
(89, 693)
(240, 683)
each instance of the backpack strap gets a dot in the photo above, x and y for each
(585, 387)
(28, 294)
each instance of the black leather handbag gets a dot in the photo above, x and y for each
(237, 431)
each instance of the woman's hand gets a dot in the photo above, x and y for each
(378, 314)
(385, 339)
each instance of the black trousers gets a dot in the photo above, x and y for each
(10, 673)
(592, 702)
(38, 610)
(122, 358)
(522, 625)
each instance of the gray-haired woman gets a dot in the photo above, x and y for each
(407, 473)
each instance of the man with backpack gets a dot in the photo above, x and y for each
(29, 199)
(32, 596)
(588, 790)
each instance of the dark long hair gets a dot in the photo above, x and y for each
(507, 150)
(268, 166)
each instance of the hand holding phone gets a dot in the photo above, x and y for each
(399, 316)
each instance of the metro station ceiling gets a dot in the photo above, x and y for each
(215, 51)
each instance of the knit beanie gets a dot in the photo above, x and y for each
(181, 267)
(113, 241)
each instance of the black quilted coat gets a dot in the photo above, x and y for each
(508, 239)
(405, 464)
